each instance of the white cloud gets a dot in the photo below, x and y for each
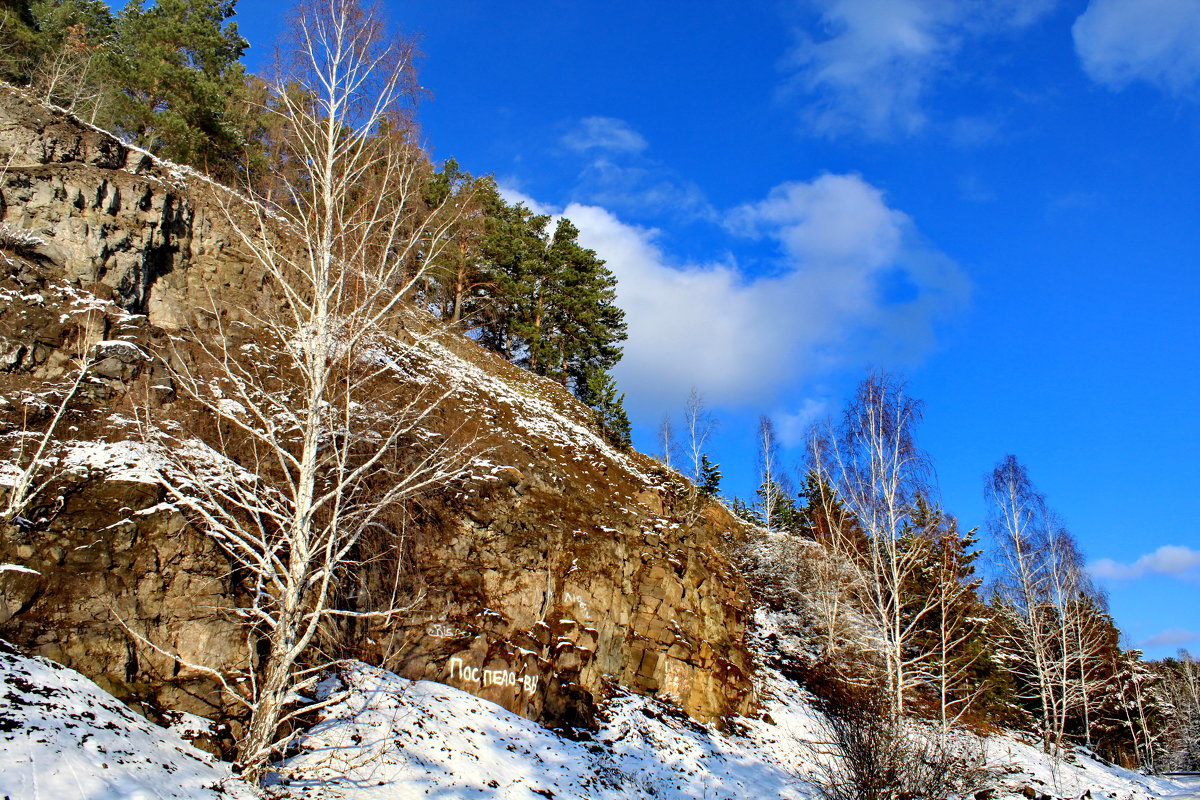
(855, 286)
(1157, 41)
(642, 188)
(1175, 637)
(872, 62)
(616, 174)
(604, 133)
(1169, 559)
(513, 196)
(792, 427)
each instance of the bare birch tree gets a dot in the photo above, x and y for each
(873, 464)
(32, 463)
(318, 435)
(1178, 694)
(1019, 523)
(698, 425)
(1054, 631)
(26, 483)
(66, 74)
(770, 471)
(666, 441)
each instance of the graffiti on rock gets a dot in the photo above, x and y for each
(491, 677)
(444, 630)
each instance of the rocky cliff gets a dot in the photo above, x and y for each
(557, 568)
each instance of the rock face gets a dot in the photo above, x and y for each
(115, 221)
(557, 568)
(562, 566)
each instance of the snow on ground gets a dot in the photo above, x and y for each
(1073, 778)
(536, 416)
(63, 738)
(387, 738)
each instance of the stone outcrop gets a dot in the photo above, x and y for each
(117, 222)
(558, 568)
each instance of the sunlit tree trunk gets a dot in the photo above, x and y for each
(330, 443)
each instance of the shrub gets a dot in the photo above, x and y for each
(876, 756)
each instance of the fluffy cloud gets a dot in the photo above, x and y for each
(604, 133)
(1167, 560)
(854, 285)
(1157, 41)
(1176, 637)
(868, 64)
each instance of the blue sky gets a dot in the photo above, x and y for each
(998, 197)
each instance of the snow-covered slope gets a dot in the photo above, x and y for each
(1030, 767)
(62, 737)
(387, 738)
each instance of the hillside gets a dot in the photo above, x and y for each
(554, 616)
(554, 568)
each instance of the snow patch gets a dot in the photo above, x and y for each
(63, 736)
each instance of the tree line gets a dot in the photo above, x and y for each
(529, 291)
(885, 594)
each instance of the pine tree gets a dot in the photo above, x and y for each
(462, 281)
(608, 408)
(585, 326)
(824, 517)
(791, 518)
(785, 516)
(56, 48)
(961, 668)
(19, 44)
(74, 37)
(513, 252)
(745, 511)
(177, 82)
(710, 477)
(552, 301)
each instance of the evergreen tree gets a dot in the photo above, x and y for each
(581, 326)
(791, 518)
(608, 408)
(177, 82)
(73, 40)
(942, 603)
(745, 511)
(19, 43)
(552, 301)
(823, 516)
(710, 477)
(56, 48)
(785, 516)
(512, 251)
(462, 282)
